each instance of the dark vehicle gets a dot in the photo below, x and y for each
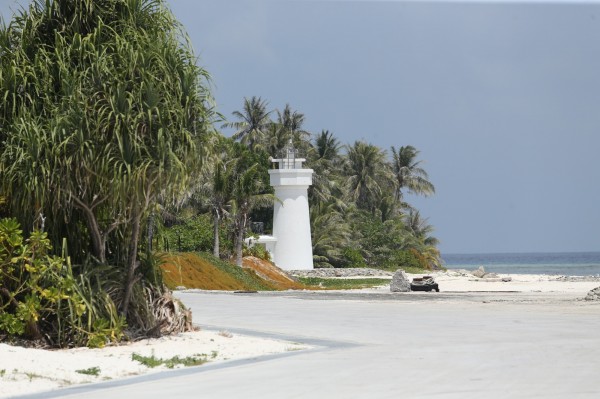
(425, 283)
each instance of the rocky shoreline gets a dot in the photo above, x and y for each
(479, 273)
(349, 272)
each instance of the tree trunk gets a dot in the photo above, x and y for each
(216, 243)
(98, 240)
(150, 232)
(239, 244)
(132, 264)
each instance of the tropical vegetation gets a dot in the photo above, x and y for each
(359, 212)
(112, 155)
(104, 116)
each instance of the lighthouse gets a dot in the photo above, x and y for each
(291, 248)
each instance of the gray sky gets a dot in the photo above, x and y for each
(501, 98)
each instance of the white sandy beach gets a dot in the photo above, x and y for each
(24, 370)
(27, 370)
(458, 281)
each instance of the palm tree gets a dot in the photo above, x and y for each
(253, 122)
(276, 138)
(420, 227)
(427, 244)
(327, 147)
(249, 191)
(330, 234)
(368, 175)
(324, 158)
(287, 126)
(409, 174)
(291, 122)
(220, 195)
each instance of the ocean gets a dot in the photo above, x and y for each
(566, 264)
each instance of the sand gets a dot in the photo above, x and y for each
(459, 281)
(26, 370)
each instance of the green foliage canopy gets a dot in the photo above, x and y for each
(103, 111)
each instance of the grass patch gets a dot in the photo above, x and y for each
(343, 283)
(407, 269)
(95, 371)
(31, 376)
(153, 361)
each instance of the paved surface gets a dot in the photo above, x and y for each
(398, 346)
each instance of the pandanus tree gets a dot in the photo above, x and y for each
(103, 111)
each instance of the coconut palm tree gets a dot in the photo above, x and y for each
(276, 138)
(325, 159)
(368, 174)
(219, 191)
(327, 147)
(409, 174)
(330, 234)
(250, 190)
(291, 122)
(420, 227)
(253, 122)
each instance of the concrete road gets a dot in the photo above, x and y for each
(411, 346)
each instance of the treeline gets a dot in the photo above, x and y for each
(358, 211)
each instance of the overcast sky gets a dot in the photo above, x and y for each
(502, 99)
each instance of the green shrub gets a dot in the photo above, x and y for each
(409, 260)
(258, 251)
(41, 297)
(194, 234)
(352, 257)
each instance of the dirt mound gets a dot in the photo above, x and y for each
(204, 271)
(271, 273)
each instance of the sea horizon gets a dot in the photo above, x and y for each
(552, 263)
(520, 252)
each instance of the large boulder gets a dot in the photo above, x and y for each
(479, 272)
(593, 295)
(400, 282)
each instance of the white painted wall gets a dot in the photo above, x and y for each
(291, 221)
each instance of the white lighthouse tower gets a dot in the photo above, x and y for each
(292, 247)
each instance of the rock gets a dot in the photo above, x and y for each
(458, 273)
(506, 279)
(490, 275)
(577, 278)
(479, 272)
(400, 282)
(593, 295)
